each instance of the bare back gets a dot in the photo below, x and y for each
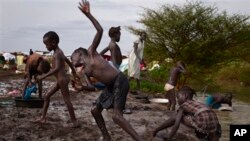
(116, 55)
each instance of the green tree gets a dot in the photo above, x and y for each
(195, 33)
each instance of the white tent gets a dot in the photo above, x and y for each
(8, 56)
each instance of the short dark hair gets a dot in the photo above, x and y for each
(188, 90)
(114, 30)
(52, 35)
(84, 51)
(45, 66)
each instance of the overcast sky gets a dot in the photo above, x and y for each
(24, 22)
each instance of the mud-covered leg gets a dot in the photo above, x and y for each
(67, 100)
(46, 103)
(97, 114)
(172, 99)
(167, 96)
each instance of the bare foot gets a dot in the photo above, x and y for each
(41, 120)
(108, 138)
(75, 124)
(127, 111)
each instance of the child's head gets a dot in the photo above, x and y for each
(114, 32)
(143, 35)
(184, 94)
(51, 40)
(79, 58)
(43, 66)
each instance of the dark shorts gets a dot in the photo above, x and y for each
(115, 94)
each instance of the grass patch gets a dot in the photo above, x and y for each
(148, 86)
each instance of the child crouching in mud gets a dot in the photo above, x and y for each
(194, 115)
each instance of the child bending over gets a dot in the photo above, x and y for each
(194, 115)
(215, 100)
(35, 65)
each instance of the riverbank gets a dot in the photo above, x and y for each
(17, 123)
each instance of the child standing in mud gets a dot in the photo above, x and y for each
(172, 82)
(35, 65)
(116, 55)
(195, 115)
(117, 86)
(51, 41)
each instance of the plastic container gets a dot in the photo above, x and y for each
(33, 102)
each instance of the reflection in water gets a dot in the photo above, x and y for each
(6, 103)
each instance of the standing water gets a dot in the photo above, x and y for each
(238, 116)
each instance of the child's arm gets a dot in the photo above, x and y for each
(104, 50)
(85, 8)
(166, 124)
(78, 85)
(174, 120)
(72, 68)
(176, 124)
(25, 86)
(28, 78)
(58, 59)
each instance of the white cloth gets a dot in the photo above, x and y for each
(134, 62)
(8, 56)
(124, 65)
(168, 87)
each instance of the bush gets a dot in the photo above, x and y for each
(148, 86)
(161, 74)
(244, 76)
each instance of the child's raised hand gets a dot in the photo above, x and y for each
(84, 6)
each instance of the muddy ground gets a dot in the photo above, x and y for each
(16, 123)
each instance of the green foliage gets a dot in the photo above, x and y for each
(214, 45)
(159, 75)
(244, 76)
(194, 33)
(233, 72)
(148, 86)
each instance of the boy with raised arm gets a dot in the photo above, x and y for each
(115, 93)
